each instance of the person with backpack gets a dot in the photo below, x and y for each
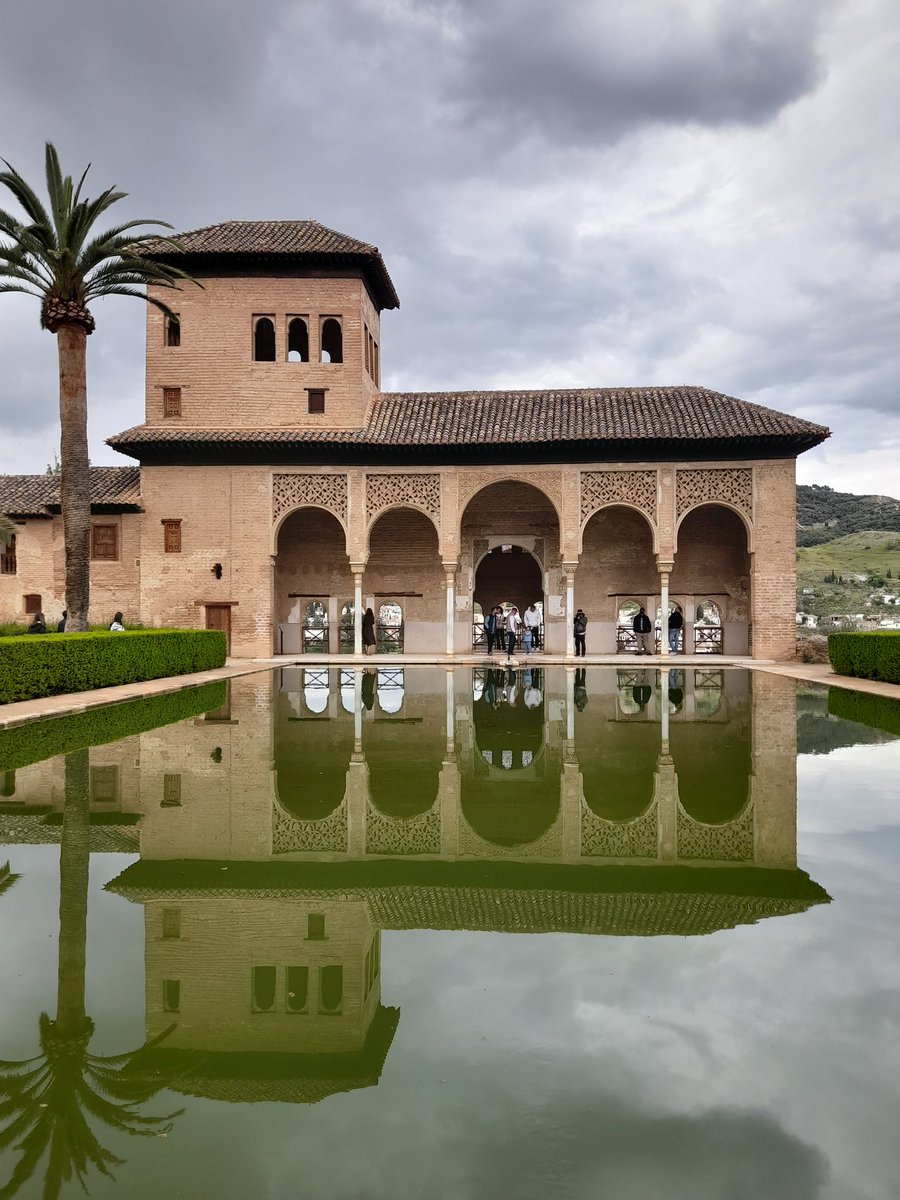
(580, 630)
(642, 629)
(676, 624)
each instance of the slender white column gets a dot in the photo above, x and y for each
(664, 700)
(450, 584)
(569, 569)
(357, 711)
(570, 707)
(664, 622)
(451, 715)
(357, 609)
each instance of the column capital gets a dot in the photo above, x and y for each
(358, 568)
(665, 566)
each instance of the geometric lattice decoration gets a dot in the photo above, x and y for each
(731, 842)
(618, 487)
(414, 491)
(296, 491)
(734, 485)
(395, 835)
(290, 835)
(548, 845)
(619, 839)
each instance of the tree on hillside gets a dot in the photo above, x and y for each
(58, 255)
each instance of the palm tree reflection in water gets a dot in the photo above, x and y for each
(46, 1101)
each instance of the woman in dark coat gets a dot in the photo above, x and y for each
(368, 631)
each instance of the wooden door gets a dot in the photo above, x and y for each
(218, 616)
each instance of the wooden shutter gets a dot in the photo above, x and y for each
(105, 542)
(172, 537)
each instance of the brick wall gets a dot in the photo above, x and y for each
(214, 366)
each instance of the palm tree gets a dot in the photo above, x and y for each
(56, 255)
(45, 1101)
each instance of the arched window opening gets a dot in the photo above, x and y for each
(626, 642)
(263, 989)
(676, 636)
(298, 340)
(173, 330)
(296, 984)
(390, 628)
(264, 340)
(348, 691)
(315, 628)
(345, 629)
(708, 628)
(332, 341)
(709, 687)
(390, 688)
(331, 988)
(315, 690)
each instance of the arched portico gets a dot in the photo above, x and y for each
(618, 564)
(311, 565)
(712, 572)
(509, 550)
(404, 570)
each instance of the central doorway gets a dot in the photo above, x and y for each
(508, 575)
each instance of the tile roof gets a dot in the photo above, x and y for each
(38, 495)
(631, 416)
(289, 239)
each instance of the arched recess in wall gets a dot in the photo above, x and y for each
(510, 530)
(618, 760)
(713, 766)
(264, 339)
(311, 758)
(404, 760)
(404, 566)
(510, 794)
(712, 562)
(617, 563)
(311, 564)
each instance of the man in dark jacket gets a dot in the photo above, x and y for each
(642, 629)
(490, 629)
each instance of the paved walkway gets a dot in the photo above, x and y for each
(54, 706)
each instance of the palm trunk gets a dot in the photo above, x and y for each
(74, 865)
(75, 482)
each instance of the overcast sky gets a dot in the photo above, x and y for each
(579, 193)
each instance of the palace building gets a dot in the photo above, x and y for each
(279, 492)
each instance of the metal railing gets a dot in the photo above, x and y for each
(708, 639)
(315, 639)
(479, 637)
(389, 639)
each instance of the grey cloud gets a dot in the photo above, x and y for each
(582, 70)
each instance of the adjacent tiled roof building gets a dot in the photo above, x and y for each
(113, 489)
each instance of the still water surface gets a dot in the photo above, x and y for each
(457, 934)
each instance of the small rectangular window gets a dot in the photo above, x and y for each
(171, 923)
(172, 537)
(32, 602)
(316, 400)
(105, 784)
(171, 791)
(315, 927)
(377, 372)
(171, 401)
(173, 330)
(105, 542)
(171, 995)
(8, 558)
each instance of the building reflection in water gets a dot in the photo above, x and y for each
(282, 834)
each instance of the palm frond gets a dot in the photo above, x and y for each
(25, 194)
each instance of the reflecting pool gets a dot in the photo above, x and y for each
(394, 932)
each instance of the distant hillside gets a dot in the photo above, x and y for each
(824, 514)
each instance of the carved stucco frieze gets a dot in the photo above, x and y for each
(730, 842)
(328, 491)
(290, 835)
(731, 485)
(396, 835)
(599, 488)
(619, 839)
(413, 490)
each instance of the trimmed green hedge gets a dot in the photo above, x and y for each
(874, 655)
(878, 712)
(41, 665)
(38, 740)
